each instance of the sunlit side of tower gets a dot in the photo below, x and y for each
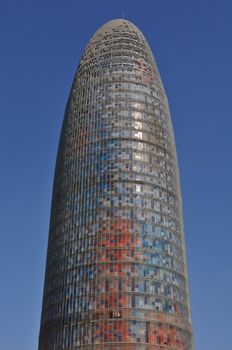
(116, 275)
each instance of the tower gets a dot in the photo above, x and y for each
(116, 276)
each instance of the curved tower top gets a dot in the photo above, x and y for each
(116, 276)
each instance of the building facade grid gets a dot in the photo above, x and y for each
(116, 276)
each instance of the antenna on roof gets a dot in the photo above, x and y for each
(123, 16)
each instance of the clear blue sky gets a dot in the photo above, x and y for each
(41, 43)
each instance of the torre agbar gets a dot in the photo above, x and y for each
(116, 276)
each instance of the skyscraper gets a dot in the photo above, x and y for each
(116, 276)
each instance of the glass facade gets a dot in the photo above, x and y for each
(116, 275)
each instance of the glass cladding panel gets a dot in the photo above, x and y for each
(116, 273)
